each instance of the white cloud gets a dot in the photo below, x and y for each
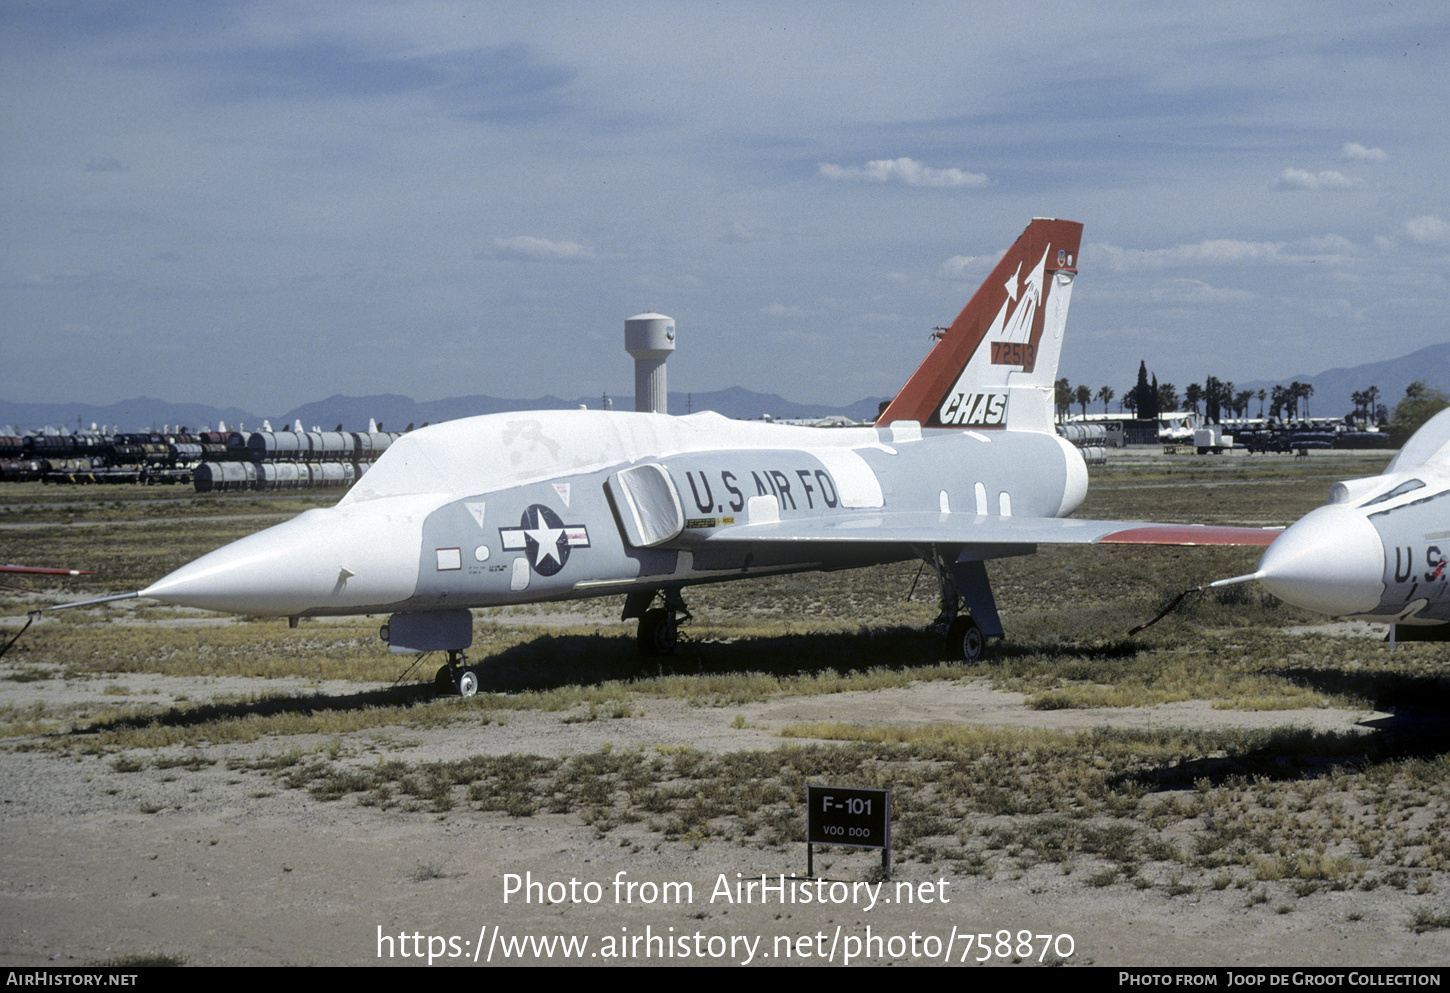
(1229, 250)
(1195, 291)
(1428, 230)
(903, 170)
(966, 265)
(528, 247)
(1214, 251)
(1354, 150)
(1300, 179)
(1328, 244)
(1329, 249)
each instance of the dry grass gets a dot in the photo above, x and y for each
(1177, 811)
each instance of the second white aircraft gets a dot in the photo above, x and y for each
(1377, 550)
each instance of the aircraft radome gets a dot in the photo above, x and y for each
(964, 466)
(1377, 550)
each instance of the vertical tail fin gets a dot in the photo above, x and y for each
(995, 367)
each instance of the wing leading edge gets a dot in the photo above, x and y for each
(920, 528)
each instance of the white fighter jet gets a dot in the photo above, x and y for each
(1374, 552)
(964, 466)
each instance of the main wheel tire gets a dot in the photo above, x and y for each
(657, 633)
(966, 638)
(443, 682)
(467, 682)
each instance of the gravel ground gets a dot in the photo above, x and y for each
(219, 867)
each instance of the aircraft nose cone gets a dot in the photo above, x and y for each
(323, 561)
(1331, 561)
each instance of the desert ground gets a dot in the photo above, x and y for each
(1242, 785)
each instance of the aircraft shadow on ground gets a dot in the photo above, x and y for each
(550, 661)
(1297, 755)
(1416, 728)
(408, 695)
(1389, 691)
(1418, 706)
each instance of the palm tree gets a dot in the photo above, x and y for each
(1308, 392)
(1167, 397)
(1062, 391)
(1192, 393)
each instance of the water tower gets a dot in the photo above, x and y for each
(650, 338)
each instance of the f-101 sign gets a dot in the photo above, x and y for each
(837, 815)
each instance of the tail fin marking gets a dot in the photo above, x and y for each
(996, 365)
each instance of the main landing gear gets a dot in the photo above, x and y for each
(965, 639)
(659, 626)
(456, 676)
(964, 584)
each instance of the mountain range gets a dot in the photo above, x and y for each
(1334, 387)
(391, 411)
(1332, 390)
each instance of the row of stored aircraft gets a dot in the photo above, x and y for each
(964, 466)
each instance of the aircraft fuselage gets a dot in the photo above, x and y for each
(520, 508)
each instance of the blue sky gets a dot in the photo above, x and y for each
(263, 204)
